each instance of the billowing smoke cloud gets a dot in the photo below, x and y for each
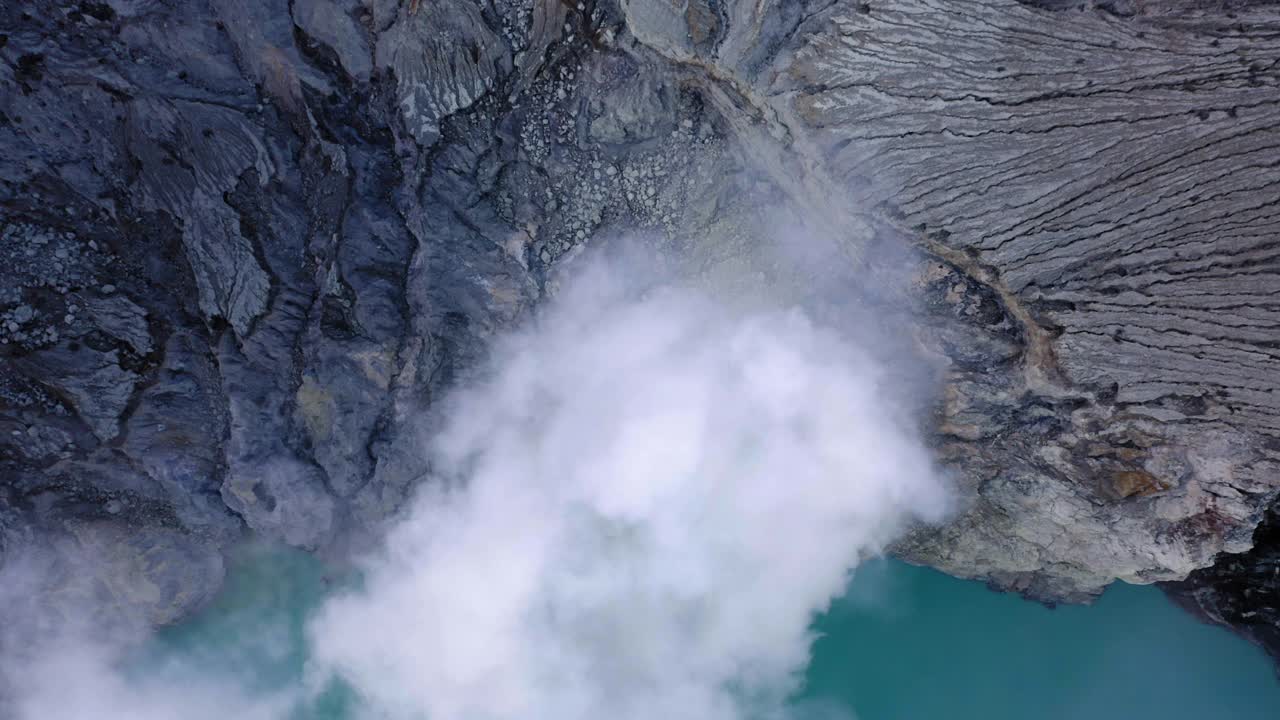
(636, 512)
(639, 512)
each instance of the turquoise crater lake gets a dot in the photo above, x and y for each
(905, 643)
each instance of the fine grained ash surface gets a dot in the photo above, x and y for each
(246, 245)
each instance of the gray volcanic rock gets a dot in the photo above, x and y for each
(247, 246)
(1095, 209)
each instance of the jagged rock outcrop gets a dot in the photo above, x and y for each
(1241, 591)
(247, 246)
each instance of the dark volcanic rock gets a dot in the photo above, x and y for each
(246, 245)
(1241, 591)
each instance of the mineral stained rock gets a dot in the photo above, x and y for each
(247, 245)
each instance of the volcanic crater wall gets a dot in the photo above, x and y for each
(248, 245)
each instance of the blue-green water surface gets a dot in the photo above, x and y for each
(909, 643)
(905, 643)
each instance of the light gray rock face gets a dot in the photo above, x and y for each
(1110, 187)
(247, 246)
(1115, 184)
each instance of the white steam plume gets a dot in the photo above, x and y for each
(634, 516)
(637, 515)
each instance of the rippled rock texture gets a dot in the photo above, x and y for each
(248, 245)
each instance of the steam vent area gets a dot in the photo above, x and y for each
(639, 359)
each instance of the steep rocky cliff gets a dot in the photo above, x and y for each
(1241, 591)
(247, 245)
